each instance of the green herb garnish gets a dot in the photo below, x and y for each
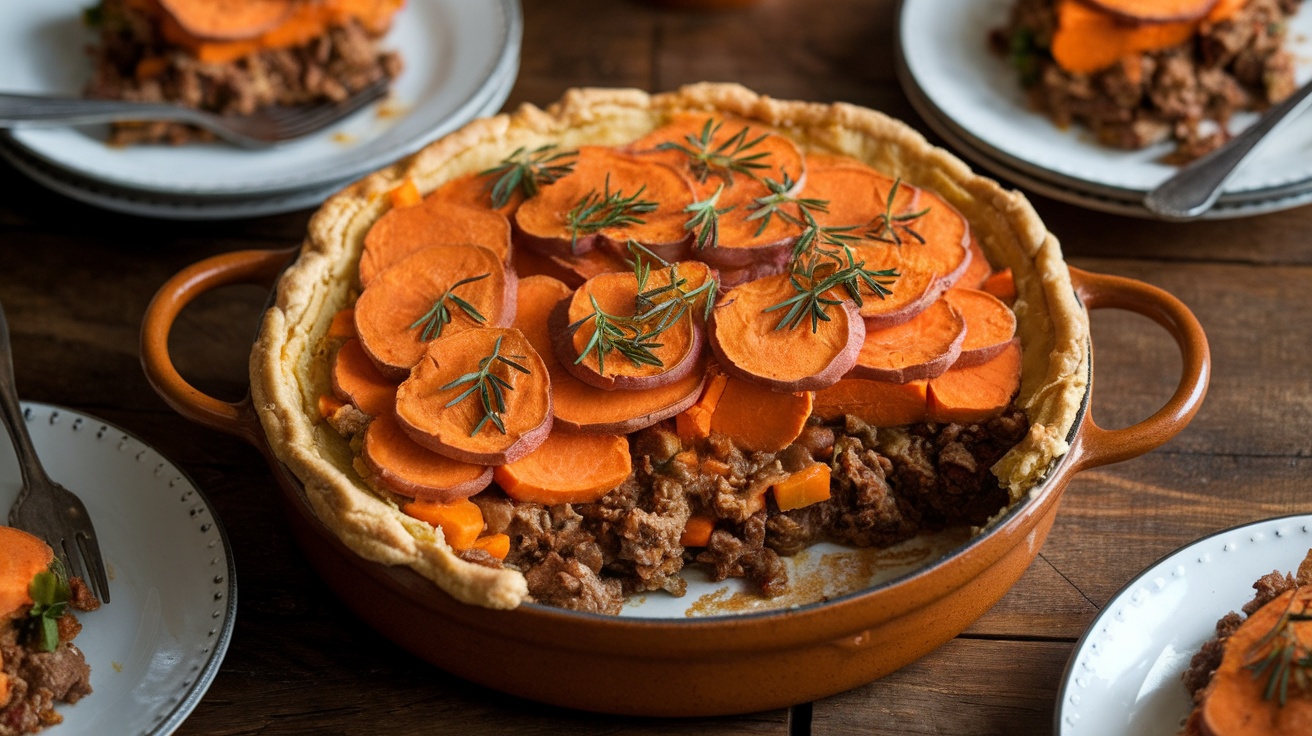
(595, 212)
(491, 388)
(50, 595)
(890, 228)
(705, 220)
(735, 155)
(528, 171)
(1286, 662)
(435, 319)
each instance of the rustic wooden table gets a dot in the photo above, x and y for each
(75, 282)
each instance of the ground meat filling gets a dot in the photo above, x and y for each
(38, 680)
(133, 62)
(1172, 94)
(887, 486)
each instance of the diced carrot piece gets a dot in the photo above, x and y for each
(460, 521)
(803, 488)
(697, 532)
(343, 324)
(695, 422)
(978, 269)
(1001, 285)
(328, 405)
(497, 545)
(405, 194)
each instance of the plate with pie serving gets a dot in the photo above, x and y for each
(156, 647)
(455, 56)
(1124, 677)
(945, 54)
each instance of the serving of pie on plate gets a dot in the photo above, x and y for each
(565, 354)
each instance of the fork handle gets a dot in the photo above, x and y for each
(37, 111)
(12, 414)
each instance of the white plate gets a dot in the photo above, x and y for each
(1226, 208)
(453, 50)
(156, 647)
(944, 44)
(1124, 676)
(181, 207)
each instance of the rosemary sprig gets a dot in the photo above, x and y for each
(50, 594)
(705, 220)
(765, 208)
(735, 155)
(890, 228)
(814, 280)
(830, 242)
(1287, 661)
(595, 212)
(440, 316)
(528, 171)
(611, 333)
(491, 388)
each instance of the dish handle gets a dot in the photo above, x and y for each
(238, 267)
(1101, 291)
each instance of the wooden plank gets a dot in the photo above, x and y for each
(969, 686)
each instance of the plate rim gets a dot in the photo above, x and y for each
(505, 62)
(1109, 609)
(195, 692)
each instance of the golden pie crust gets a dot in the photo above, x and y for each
(289, 371)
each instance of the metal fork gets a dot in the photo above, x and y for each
(260, 129)
(45, 508)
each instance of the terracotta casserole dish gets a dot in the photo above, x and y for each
(651, 661)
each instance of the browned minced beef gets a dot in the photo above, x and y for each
(1209, 657)
(330, 67)
(39, 679)
(1237, 64)
(887, 486)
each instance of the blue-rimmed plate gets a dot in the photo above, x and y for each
(155, 649)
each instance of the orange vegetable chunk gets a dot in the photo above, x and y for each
(748, 345)
(917, 284)
(1002, 286)
(923, 347)
(803, 488)
(22, 557)
(357, 380)
(411, 470)
(497, 545)
(544, 221)
(976, 393)
(405, 194)
(697, 531)
(978, 270)
(1154, 11)
(990, 325)
(475, 190)
(570, 467)
(343, 324)
(461, 521)
(1087, 40)
(758, 419)
(695, 421)
(402, 232)
(877, 403)
(440, 405)
(393, 314)
(227, 19)
(1235, 702)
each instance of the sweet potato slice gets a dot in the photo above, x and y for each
(990, 325)
(856, 195)
(978, 270)
(918, 284)
(411, 470)
(749, 344)
(1153, 11)
(877, 403)
(1001, 285)
(922, 347)
(24, 556)
(570, 467)
(609, 198)
(343, 323)
(976, 393)
(1087, 40)
(944, 238)
(478, 396)
(475, 190)
(757, 419)
(404, 307)
(713, 150)
(1236, 701)
(674, 351)
(403, 231)
(356, 379)
(227, 20)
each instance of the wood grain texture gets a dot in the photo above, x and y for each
(75, 282)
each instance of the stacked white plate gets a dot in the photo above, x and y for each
(971, 97)
(461, 59)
